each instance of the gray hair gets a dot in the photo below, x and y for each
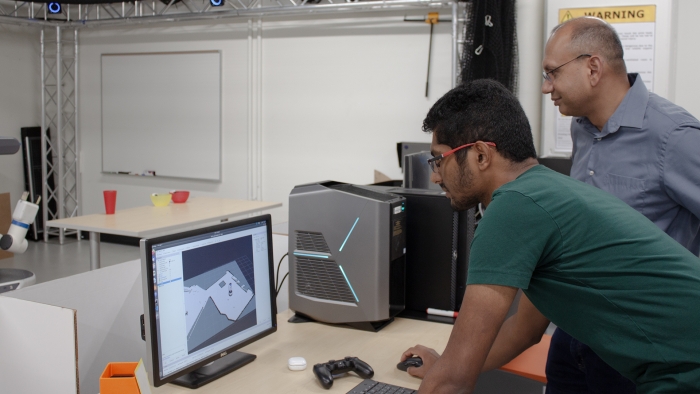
(595, 36)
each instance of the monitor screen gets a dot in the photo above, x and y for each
(208, 292)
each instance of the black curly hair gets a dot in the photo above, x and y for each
(482, 110)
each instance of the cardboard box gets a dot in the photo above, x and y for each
(5, 219)
(119, 378)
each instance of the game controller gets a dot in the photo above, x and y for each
(410, 362)
(325, 371)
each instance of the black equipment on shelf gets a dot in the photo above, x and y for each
(31, 154)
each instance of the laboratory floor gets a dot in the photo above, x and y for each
(50, 260)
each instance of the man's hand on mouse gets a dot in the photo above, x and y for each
(428, 355)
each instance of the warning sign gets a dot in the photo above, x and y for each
(636, 27)
(566, 16)
(626, 14)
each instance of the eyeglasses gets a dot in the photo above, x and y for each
(546, 75)
(435, 161)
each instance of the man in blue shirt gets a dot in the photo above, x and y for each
(629, 142)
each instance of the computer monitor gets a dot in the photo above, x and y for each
(207, 292)
(561, 165)
(407, 148)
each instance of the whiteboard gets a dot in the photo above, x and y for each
(663, 61)
(161, 112)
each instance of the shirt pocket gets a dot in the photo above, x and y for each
(630, 190)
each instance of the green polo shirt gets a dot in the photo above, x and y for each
(599, 270)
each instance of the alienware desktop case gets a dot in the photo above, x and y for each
(347, 254)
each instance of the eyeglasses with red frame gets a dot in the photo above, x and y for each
(435, 161)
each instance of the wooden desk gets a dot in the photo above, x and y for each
(150, 221)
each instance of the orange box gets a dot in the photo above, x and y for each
(119, 378)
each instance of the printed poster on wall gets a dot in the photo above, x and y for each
(636, 27)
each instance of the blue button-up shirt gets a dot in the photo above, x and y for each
(648, 155)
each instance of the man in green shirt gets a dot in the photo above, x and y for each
(584, 259)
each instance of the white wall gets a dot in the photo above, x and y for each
(339, 93)
(230, 39)
(337, 96)
(20, 97)
(688, 57)
(530, 30)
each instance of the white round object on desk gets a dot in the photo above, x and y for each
(297, 363)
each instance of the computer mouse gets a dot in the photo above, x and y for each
(410, 362)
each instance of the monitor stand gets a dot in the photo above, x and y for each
(214, 370)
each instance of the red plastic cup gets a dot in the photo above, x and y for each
(110, 201)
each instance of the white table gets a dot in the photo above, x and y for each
(151, 221)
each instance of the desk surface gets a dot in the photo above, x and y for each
(319, 343)
(322, 342)
(150, 220)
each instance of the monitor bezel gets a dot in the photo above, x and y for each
(147, 262)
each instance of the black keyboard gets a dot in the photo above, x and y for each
(369, 386)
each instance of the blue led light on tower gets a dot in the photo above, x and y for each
(54, 8)
(216, 3)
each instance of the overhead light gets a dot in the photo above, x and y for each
(216, 3)
(54, 8)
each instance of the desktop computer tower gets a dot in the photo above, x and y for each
(438, 239)
(347, 248)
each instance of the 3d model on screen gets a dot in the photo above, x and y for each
(221, 294)
(216, 300)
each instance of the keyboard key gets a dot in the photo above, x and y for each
(369, 386)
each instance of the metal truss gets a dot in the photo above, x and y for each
(122, 13)
(59, 114)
